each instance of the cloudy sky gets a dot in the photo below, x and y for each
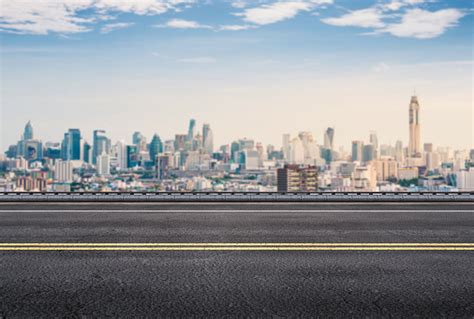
(252, 69)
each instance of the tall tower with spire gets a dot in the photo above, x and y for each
(28, 132)
(414, 143)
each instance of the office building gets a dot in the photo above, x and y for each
(191, 130)
(156, 147)
(103, 164)
(386, 168)
(207, 139)
(101, 144)
(63, 171)
(357, 151)
(329, 138)
(73, 145)
(465, 180)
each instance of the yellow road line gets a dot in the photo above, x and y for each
(237, 248)
(234, 244)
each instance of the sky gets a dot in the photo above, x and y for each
(254, 69)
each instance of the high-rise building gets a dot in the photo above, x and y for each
(207, 139)
(103, 164)
(286, 147)
(132, 156)
(163, 164)
(121, 155)
(156, 147)
(85, 151)
(180, 141)
(28, 132)
(73, 147)
(297, 178)
(414, 143)
(63, 171)
(368, 153)
(329, 138)
(64, 146)
(191, 130)
(428, 147)
(137, 138)
(465, 179)
(101, 144)
(386, 168)
(374, 141)
(297, 151)
(399, 151)
(357, 150)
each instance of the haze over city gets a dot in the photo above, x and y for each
(254, 70)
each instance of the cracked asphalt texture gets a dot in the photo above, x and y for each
(237, 283)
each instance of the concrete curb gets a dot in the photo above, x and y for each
(237, 197)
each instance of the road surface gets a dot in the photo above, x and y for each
(236, 260)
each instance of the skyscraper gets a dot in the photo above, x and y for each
(156, 147)
(86, 151)
(121, 155)
(286, 148)
(191, 129)
(357, 150)
(329, 138)
(207, 138)
(73, 149)
(374, 141)
(103, 164)
(136, 138)
(414, 143)
(101, 144)
(28, 133)
(65, 147)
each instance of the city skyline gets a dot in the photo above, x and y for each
(250, 69)
(192, 162)
(327, 139)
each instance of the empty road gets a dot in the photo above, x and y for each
(236, 259)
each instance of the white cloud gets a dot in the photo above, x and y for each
(183, 24)
(239, 4)
(198, 60)
(115, 26)
(396, 5)
(364, 18)
(278, 11)
(236, 27)
(400, 18)
(422, 24)
(140, 7)
(70, 16)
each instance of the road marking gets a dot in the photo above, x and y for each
(236, 246)
(184, 203)
(237, 211)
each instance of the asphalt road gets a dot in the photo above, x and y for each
(260, 281)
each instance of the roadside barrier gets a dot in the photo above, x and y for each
(237, 197)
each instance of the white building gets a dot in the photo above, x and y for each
(63, 171)
(121, 155)
(103, 164)
(465, 179)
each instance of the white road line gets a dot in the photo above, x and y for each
(236, 211)
(237, 203)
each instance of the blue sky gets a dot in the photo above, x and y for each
(249, 68)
